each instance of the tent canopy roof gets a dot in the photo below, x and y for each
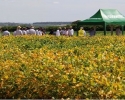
(108, 16)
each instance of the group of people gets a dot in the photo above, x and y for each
(63, 31)
(92, 31)
(70, 31)
(82, 32)
(39, 31)
(60, 31)
(24, 31)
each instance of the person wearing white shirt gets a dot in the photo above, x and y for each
(24, 31)
(58, 32)
(65, 31)
(6, 33)
(70, 31)
(18, 31)
(38, 32)
(61, 31)
(27, 31)
(32, 31)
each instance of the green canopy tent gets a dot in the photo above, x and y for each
(105, 17)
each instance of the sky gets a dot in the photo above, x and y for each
(29, 11)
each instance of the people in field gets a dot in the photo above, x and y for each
(18, 31)
(70, 31)
(24, 30)
(51, 32)
(58, 31)
(43, 30)
(27, 30)
(92, 31)
(118, 31)
(65, 31)
(81, 32)
(39, 32)
(32, 31)
(61, 31)
(6, 32)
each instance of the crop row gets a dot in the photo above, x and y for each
(62, 67)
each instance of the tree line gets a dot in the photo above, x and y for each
(12, 28)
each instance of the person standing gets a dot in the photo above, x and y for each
(118, 31)
(6, 32)
(58, 31)
(70, 31)
(32, 31)
(51, 32)
(39, 32)
(24, 30)
(65, 31)
(18, 31)
(92, 31)
(81, 32)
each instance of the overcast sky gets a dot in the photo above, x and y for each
(29, 11)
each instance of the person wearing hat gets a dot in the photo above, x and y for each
(18, 31)
(32, 31)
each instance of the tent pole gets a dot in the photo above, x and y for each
(104, 28)
(77, 30)
(122, 29)
(111, 28)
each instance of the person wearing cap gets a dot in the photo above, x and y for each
(18, 31)
(32, 31)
